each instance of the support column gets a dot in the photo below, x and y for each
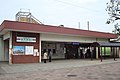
(111, 51)
(101, 53)
(114, 53)
(104, 52)
(97, 51)
(40, 56)
(91, 53)
(10, 49)
(119, 52)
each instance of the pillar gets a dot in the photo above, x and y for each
(10, 49)
(40, 52)
(114, 52)
(97, 52)
(101, 53)
(104, 52)
(119, 52)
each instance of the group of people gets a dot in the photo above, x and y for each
(86, 52)
(47, 56)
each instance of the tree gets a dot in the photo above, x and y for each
(117, 29)
(113, 9)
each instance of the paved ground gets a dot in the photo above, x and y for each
(63, 70)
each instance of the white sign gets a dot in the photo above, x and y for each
(26, 39)
(29, 50)
(36, 53)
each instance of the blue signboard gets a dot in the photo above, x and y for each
(18, 49)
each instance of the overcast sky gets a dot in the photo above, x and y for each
(57, 12)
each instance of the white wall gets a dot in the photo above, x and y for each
(68, 38)
(6, 35)
(1, 49)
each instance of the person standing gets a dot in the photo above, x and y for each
(45, 57)
(50, 56)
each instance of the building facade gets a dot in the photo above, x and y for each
(22, 42)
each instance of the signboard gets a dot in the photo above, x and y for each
(26, 39)
(36, 53)
(75, 43)
(29, 50)
(18, 50)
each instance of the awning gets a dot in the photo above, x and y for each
(103, 44)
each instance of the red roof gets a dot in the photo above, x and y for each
(40, 28)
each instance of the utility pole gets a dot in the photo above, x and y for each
(79, 25)
(88, 24)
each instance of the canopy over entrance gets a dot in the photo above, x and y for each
(107, 44)
(107, 47)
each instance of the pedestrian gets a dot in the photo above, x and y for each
(50, 56)
(45, 57)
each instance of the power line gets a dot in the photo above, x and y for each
(95, 11)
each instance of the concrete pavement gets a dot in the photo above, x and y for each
(55, 64)
(63, 70)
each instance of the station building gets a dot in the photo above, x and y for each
(24, 42)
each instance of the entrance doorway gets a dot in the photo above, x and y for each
(68, 50)
(72, 52)
(56, 48)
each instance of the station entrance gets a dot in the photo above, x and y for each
(68, 50)
(79, 51)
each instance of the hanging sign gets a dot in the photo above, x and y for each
(26, 39)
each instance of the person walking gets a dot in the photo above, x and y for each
(45, 57)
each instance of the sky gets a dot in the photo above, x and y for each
(61, 12)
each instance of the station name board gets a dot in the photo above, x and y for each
(26, 39)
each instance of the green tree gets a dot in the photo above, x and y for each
(113, 9)
(117, 29)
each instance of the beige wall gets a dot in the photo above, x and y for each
(69, 38)
(1, 50)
